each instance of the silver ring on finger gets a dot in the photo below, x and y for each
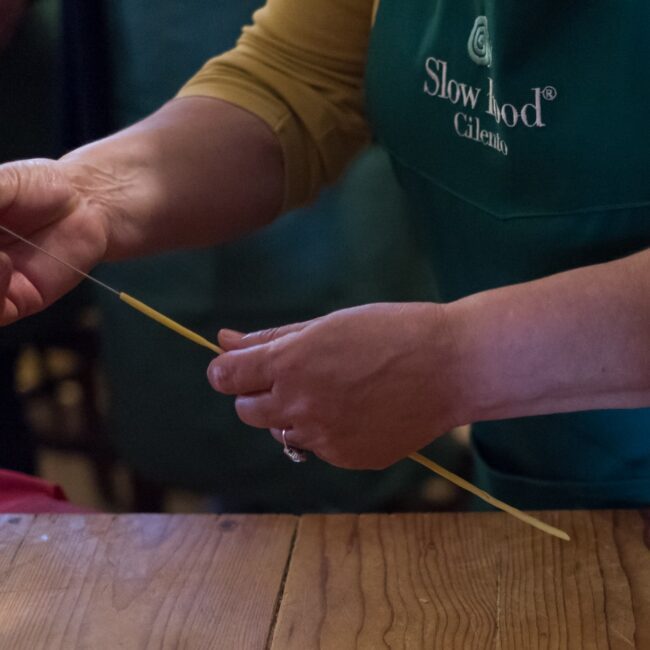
(293, 453)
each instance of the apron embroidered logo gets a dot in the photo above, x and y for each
(505, 115)
(478, 45)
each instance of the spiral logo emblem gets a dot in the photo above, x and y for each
(478, 45)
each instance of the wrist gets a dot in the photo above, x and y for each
(480, 390)
(115, 178)
(506, 353)
(180, 177)
(442, 352)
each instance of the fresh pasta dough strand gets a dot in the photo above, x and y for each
(488, 498)
(168, 322)
(418, 458)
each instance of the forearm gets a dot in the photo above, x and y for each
(199, 171)
(575, 341)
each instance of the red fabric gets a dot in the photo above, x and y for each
(29, 495)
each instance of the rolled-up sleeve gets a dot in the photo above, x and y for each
(300, 68)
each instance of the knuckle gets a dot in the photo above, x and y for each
(271, 333)
(287, 362)
(306, 410)
(263, 336)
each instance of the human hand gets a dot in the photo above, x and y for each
(62, 207)
(360, 388)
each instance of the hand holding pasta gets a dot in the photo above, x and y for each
(49, 203)
(361, 387)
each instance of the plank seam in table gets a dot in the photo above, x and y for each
(283, 584)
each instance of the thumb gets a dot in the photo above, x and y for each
(33, 193)
(231, 340)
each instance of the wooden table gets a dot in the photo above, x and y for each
(341, 581)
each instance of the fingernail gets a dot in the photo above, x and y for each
(214, 374)
(230, 336)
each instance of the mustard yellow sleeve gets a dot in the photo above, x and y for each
(300, 68)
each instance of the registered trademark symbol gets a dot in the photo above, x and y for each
(549, 93)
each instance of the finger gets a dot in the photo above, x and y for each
(241, 372)
(260, 410)
(29, 278)
(8, 309)
(6, 268)
(231, 340)
(38, 279)
(292, 436)
(24, 297)
(32, 194)
(18, 297)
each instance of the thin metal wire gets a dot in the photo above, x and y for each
(58, 259)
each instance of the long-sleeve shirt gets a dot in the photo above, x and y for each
(300, 67)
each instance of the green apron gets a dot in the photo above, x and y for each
(520, 133)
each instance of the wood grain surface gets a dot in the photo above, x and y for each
(465, 581)
(140, 581)
(424, 581)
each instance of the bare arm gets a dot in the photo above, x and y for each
(363, 387)
(197, 172)
(201, 170)
(574, 341)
